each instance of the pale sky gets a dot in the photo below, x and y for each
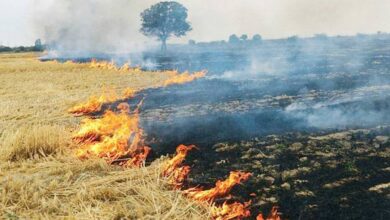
(23, 21)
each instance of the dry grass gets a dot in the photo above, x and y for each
(34, 141)
(64, 187)
(39, 176)
(35, 92)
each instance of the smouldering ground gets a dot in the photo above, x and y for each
(39, 175)
(337, 175)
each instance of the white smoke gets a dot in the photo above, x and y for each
(82, 28)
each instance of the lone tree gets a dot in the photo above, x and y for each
(164, 20)
(38, 45)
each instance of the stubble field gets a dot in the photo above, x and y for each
(41, 178)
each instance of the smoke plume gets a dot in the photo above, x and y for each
(82, 28)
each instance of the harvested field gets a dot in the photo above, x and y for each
(40, 176)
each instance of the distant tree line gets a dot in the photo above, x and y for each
(258, 40)
(38, 47)
(233, 39)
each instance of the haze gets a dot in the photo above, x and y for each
(23, 21)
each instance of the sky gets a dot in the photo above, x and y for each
(23, 21)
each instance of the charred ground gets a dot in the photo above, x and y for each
(312, 126)
(308, 118)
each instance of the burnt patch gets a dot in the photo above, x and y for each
(327, 177)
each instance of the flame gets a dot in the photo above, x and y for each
(176, 173)
(178, 176)
(103, 65)
(53, 61)
(177, 78)
(222, 188)
(175, 162)
(94, 104)
(126, 67)
(272, 216)
(69, 62)
(227, 211)
(130, 93)
(112, 137)
(138, 157)
(117, 137)
(123, 107)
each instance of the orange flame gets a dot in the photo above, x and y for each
(138, 157)
(235, 210)
(126, 67)
(129, 93)
(175, 162)
(177, 78)
(222, 188)
(173, 169)
(53, 61)
(94, 104)
(178, 176)
(113, 136)
(118, 138)
(70, 62)
(272, 216)
(103, 65)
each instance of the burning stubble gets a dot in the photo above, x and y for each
(118, 138)
(94, 103)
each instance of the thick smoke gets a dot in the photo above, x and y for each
(329, 82)
(350, 81)
(75, 28)
(306, 84)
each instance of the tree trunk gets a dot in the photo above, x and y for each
(164, 45)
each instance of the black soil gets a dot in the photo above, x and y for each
(344, 175)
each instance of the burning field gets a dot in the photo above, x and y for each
(41, 175)
(95, 140)
(57, 165)
(168, 110)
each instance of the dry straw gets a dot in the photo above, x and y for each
(39, 176)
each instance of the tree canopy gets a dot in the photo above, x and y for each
(164, 20)
(244, 37)
(233, 39)
(256, 38)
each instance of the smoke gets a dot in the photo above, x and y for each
(309, 84)
(323, 77)
(361, 107)
(84, 28)
(304, 58)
